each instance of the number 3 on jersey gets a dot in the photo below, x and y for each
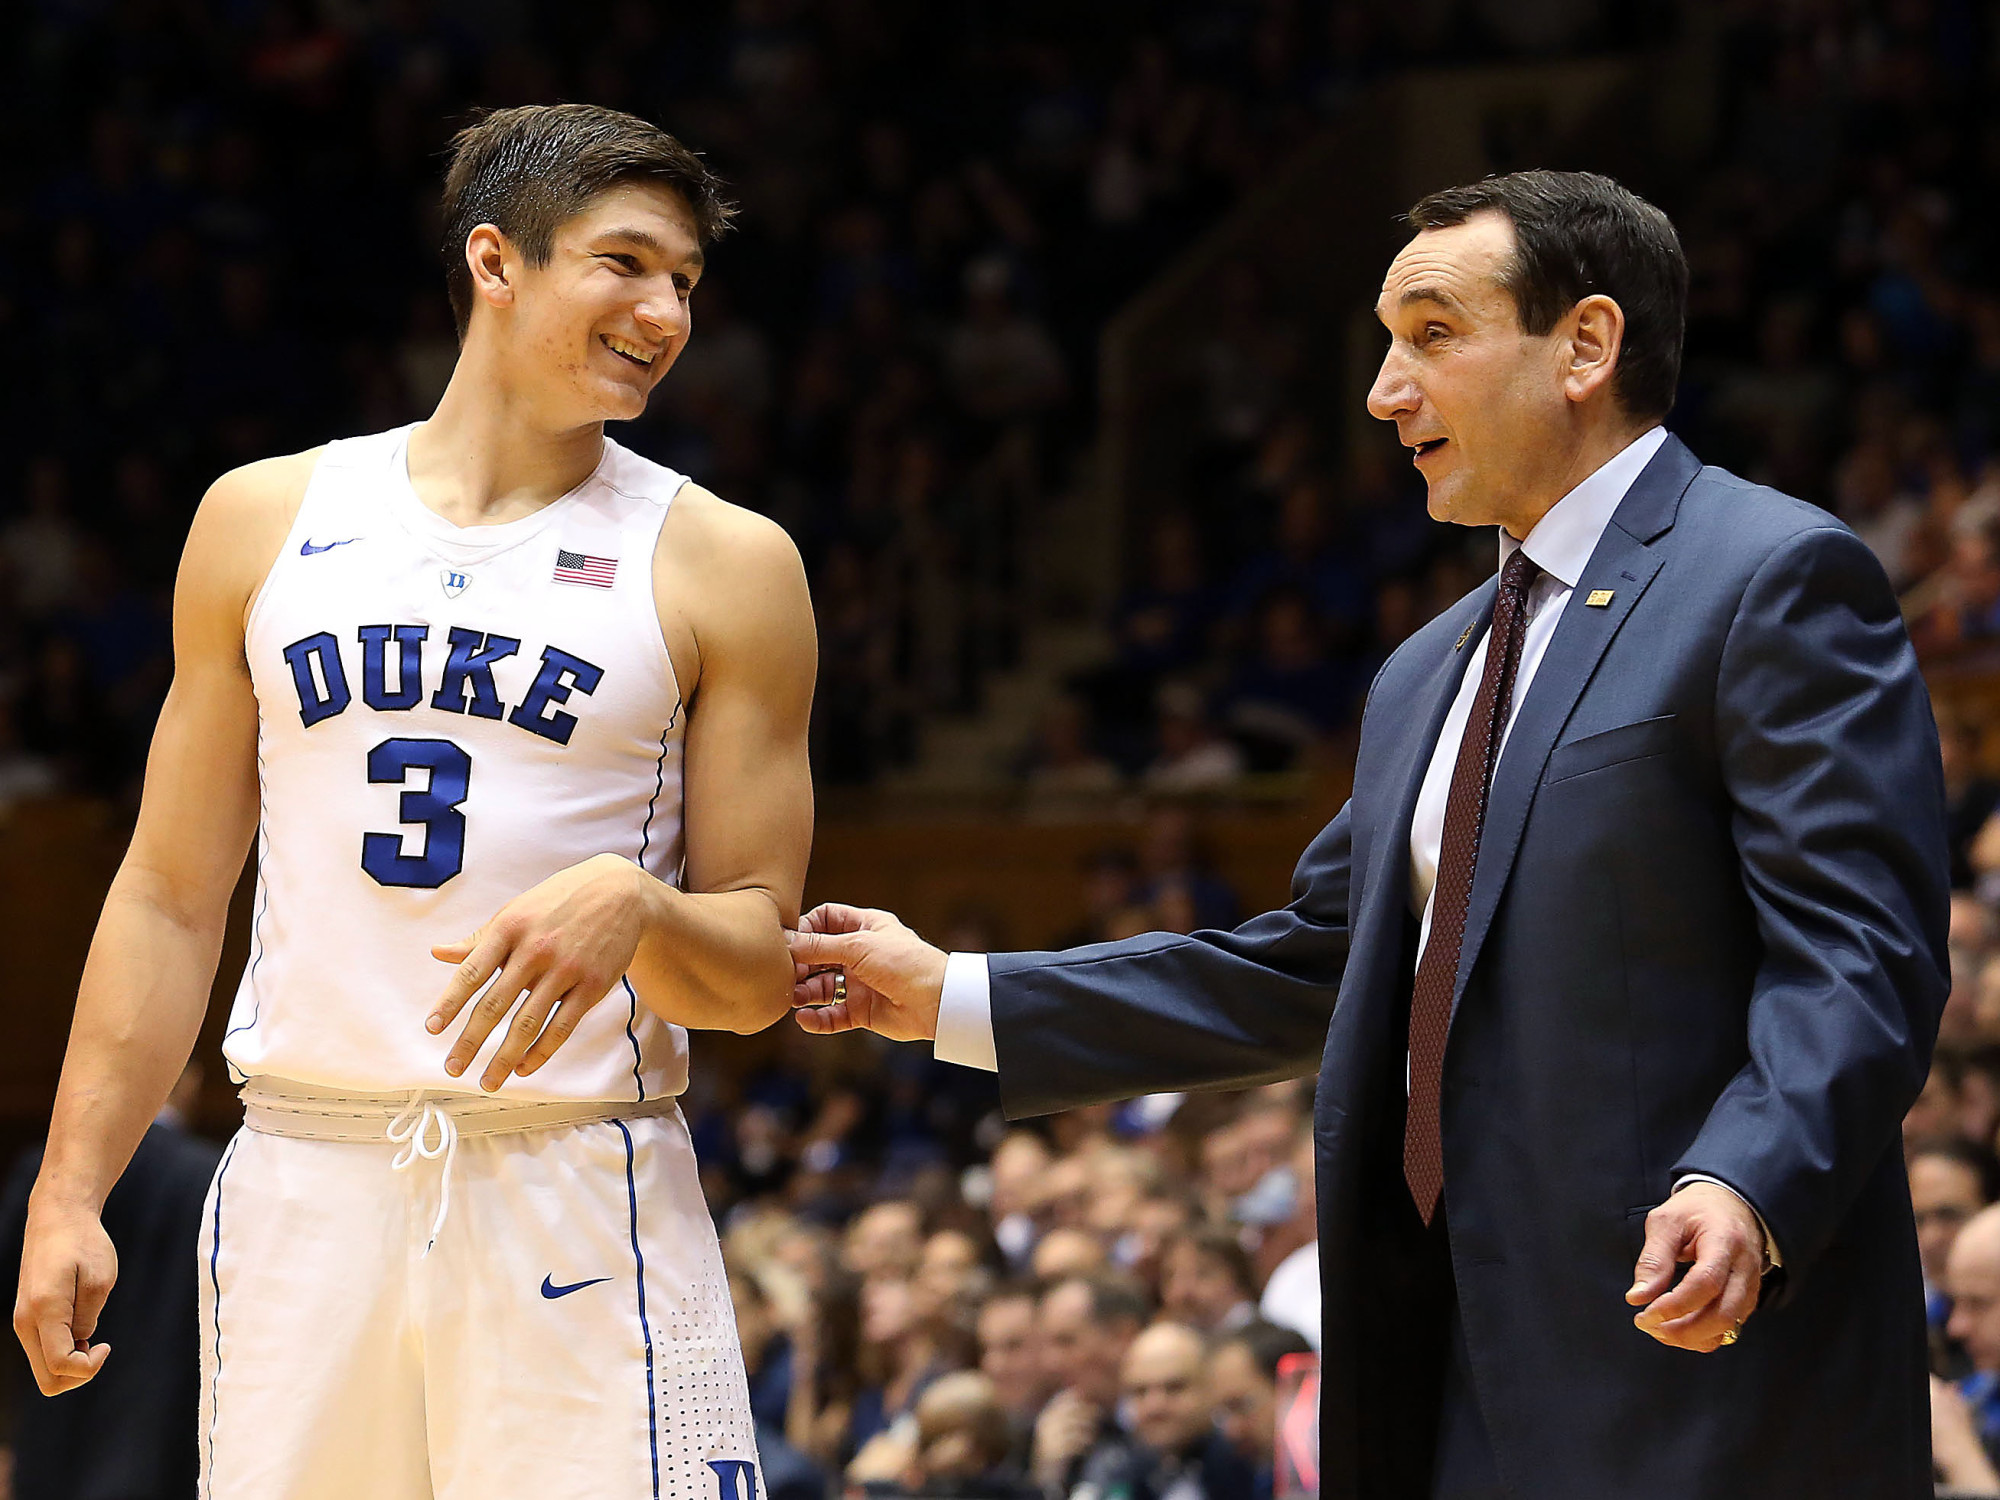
(434, 809)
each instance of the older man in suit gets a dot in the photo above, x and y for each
(1626, 954)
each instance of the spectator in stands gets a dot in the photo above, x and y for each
(1182, 1455)
(1286, 694)
(1084, 1327)
(1949, 1183)
(1066, 1251)
(1971, 795)
(1063, 772)
(1936, 1114)
(1191, 757)
(1156, 1221)
(1305, 558)
(1972, 1277)
(767, 1349)
(1171, 855)
(951, 1273)
(1110, 889)
(1206, 1282)
(957, 1446)
(885, 1239)
(826, 1374)
(1243, 1381)
(1002, 363)
(1010, 1356)
(767, 1360)
(1019, 1162)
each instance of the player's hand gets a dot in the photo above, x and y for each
(67, 1268)
(564, 945)
(893, 978)
(1715, 1229)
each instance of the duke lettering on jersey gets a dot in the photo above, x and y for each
(465, 685)
(421, 763)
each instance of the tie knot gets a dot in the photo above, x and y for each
(1520, 572)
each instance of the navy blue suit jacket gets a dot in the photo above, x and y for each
(1706, 934)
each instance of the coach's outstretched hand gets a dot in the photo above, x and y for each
(856, 967)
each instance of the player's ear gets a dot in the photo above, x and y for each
(486, 257)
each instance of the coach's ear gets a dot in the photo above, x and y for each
(489, 257)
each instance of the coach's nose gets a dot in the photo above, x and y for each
(1394, 393)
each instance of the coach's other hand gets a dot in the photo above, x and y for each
(67, 1268)
(1715, 1229)
(893, 979)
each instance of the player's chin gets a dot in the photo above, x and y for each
(621, 400)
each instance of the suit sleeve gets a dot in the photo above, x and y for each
(1166, 1012)
(1830, 758)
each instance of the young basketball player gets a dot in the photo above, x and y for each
(520, 720)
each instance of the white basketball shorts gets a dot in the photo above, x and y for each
(515, 1313)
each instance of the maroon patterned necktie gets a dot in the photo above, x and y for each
(1458, 856)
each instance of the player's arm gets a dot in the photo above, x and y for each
(146, 982)
(714, 955)
(711, 955)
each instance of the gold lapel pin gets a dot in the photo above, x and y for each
(1599, 598)
(1465, 636)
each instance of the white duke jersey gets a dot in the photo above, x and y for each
(447, 716)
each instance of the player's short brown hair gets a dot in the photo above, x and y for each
(529, 169)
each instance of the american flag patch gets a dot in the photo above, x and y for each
(591, 572)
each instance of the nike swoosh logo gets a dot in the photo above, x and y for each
(551, 1291)
(307, 549)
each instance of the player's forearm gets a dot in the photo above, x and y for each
(140, 1006)
(714, 961)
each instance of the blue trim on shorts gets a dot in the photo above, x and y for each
(215, 1285)
(645, 1329)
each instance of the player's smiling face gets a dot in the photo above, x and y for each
(1478, 401)
(609, 313)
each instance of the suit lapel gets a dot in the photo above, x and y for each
(1625, 564)
(1388, 886)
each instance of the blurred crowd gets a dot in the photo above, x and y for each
(1843, 345)
(895, 354)
(1102, 1306)
(222, 244)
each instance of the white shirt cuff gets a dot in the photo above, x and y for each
(1770, 1245)
(965, 1014)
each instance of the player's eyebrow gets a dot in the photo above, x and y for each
(646, 240)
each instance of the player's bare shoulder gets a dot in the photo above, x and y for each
(238, 529)
(729, 580)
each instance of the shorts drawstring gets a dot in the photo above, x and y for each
(412, 1130)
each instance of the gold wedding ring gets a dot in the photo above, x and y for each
(840, 996)
(1733, 1335)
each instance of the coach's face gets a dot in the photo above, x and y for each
(1494, 415)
